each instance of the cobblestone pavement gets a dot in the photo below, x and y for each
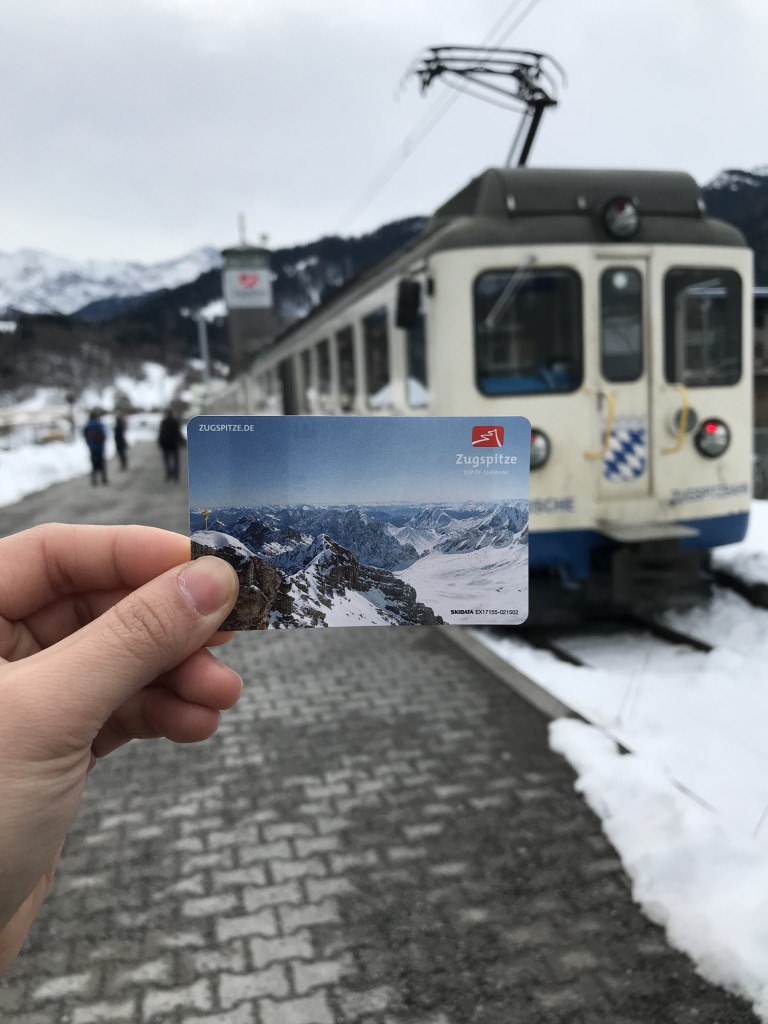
(378, 834)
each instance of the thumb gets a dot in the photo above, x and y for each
(149, 632)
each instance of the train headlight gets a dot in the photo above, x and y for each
(621, 217)
(713, 438)
(540, 448)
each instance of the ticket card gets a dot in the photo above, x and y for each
(364, 521)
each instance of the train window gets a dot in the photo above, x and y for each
(345, 349)
(416, 354)
(621, 324)
(761, 331)
(287, 387)
(307, 392)
(702, 326)
(528, 331)
(324, 367)
(376, 339)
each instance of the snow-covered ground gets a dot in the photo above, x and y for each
(749, 560)
(687, 809)
(705, 884)
(33, 467)
(153, 391)
(26, 466)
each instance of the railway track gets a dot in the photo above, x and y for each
(755, 593)
(631, 625)
(638, 654)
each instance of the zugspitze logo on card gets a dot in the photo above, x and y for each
(487, 437)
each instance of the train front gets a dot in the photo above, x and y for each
(608, 309)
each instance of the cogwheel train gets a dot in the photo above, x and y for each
(607, 308)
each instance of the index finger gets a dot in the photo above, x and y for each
(47, 562)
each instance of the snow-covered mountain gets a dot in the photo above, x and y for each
(733, 180)
(322, 585)
(498, 529)
(367, 537)
(334, 589)
(299, 571)
(741, 198)
(32, 281)
(455, 528)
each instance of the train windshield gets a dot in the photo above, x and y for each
(528, 336)
(702, 310)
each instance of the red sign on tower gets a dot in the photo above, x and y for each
(249, 280)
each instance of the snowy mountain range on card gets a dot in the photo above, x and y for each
(366, 565)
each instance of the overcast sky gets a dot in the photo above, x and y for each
(139, 128)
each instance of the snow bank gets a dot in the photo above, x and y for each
(749, 559)
(32, 467)
(699, 862)
(699, 717)
(707, 886)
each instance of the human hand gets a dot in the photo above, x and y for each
(102, 637)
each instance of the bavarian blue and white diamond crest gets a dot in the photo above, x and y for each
(626, 456)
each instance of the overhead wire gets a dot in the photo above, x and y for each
(430, 120)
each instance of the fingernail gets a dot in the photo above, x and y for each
(208, 584)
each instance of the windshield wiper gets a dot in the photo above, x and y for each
(514, 285)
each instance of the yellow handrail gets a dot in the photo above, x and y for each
(683, 422)
(608, 427)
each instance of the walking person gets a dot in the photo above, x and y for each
(170, 440)
(121, 444)
(96, 438)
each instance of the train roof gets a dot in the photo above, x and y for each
(527, 205)
(549, 206)
(547, 190)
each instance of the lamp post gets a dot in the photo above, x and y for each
(202, 342)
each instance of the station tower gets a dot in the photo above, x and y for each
(247, 287)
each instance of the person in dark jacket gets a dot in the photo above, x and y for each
(170, 440)
(96, 437)
(121, 444)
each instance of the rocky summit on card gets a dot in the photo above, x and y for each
(364, 521)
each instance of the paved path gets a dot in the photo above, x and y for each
(378, 834)
(139, 495)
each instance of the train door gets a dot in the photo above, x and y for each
(624, 394)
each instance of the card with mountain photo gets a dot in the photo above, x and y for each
(364, 521)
